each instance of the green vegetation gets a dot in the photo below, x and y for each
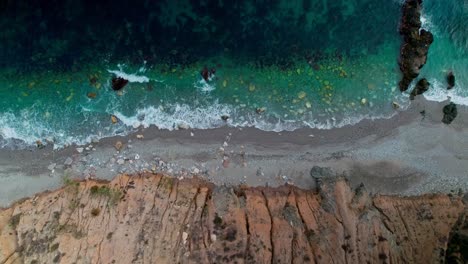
(14, 220)
(54, 247)
(70, 184)
(113, 195)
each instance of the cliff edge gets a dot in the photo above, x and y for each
(150, 218)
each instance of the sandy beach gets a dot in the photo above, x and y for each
(409, 154)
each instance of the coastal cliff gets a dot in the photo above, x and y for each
(149, 218)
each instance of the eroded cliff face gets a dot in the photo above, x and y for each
(157, 219)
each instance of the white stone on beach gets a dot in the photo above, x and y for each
(191, 134)
(183, 126)
(213, 237)
(79, 150)
(184, 237)
(68, 161)
(225, 144)
(51, 167)
(195, 171)
(140, 137)
(120, 161)
(137, 157)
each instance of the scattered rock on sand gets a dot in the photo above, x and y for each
(450, 112)
(183, 126)
(118, 83)
(120, 161)
(118, 145)
(79, 150)
(68, 161)
(140, 136)
(51, 167)
(319, 172)
(450, 80)
(39, 144)
(421, 87)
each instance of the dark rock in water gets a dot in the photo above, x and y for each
(207, 74)
(450, 112)
(450, 80)
(118, 83)
(421, 87)
(224, 117)
(416, 42)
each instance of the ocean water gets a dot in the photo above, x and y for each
(278, 66)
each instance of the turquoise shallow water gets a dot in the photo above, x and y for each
(289, 66)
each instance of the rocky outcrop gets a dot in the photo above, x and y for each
(416, 42)
(118, 83)
(450, 113)
(450, 80)
(421, 87)
(157, 219)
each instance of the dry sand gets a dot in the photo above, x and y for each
(407, 155)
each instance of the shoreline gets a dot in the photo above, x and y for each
(418, 156)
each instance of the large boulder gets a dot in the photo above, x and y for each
(421, 87)
(118, 83)
(450, 112)
(450, 80)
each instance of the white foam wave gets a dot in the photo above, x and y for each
(439, 93)
(130, 77)
(30, 125)
(426, 23)
(210, 117)
(204, 86)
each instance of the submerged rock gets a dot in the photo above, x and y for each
(416, 42)
(421, 87)
(450, 80)
(118, 83)
(114, 119)
(450, 112)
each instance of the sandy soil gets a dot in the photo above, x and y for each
(408, 154)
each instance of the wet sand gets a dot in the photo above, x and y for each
(408, 154)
